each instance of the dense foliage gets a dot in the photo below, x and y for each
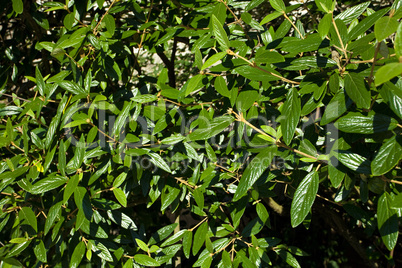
(269, 134)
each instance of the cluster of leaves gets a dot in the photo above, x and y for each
(287, 116)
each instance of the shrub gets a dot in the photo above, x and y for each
(269, 134)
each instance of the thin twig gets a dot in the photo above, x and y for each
(294, 26)
(340, 39)
(198, 224)
(95, 31)
(252, 64)
(240, 118)
(11, 96)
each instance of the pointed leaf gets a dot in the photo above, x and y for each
(370, 124)
(384, 27)
(387, 157)
(387, 72)
(254, 170)
(387, 219)
(357, 91)
(278, 5)
(145, 260)
(220, 33)
(291, 114)
(77, 255)
(303, 198)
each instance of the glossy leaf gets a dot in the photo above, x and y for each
(199, 237)
(384, 27)
(278, 5)
(28, 217)
(356, 90)
(387, 72)
(120, 196)
(387, 157)
(221, 87)
(370, 124)
(220, 33)
(325, 25)
(291, 114)
(398, 43)
(254, 170)
(77, 255)
(387, 221)
(352, 13)
(303, 198)
(213, 59)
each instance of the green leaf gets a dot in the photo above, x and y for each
(192, 84)
(71, 87)
(199, 237)
(268, 57)
(246, 99)
(48, 159)
(270, 17)
(366, 24)
(69, 20)
(77, 255)
(398, 43)
(288, 257)
(325, 25)
(384, 27)
(122, 220)
(370, 124)
(142, 245)
(389, 93)
(325, 5)
(174, 238)
(40, 82)
(48, 184)
(110, 23)
(357, 91)
(278, 5)
(221, 87)
(387, 219)
(311, 43)
(291, 111)
(70, 187)
(387, 72)
(354, 161)
(187, 242)
(159, 162)
(18, 6)
(213, 128)
(387, 157)
(254, 170)
(144, 98)
(145, 260)
(62, 158)
(335, 108)
(40, 251)
(120, 196)
(53, 213)
(119, 179)
(220, 33)
(198, 195)
(213, 59)
(253, 73)
(101, 250)
(162, 233)
(28, 217)
(253, 4)
(263, 214)
(303, 198)
(352, 13)
(120, 122)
